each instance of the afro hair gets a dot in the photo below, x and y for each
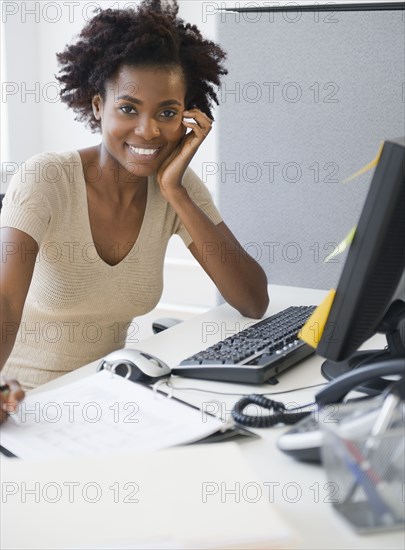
(151, 34)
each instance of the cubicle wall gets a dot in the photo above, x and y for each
(309, 97)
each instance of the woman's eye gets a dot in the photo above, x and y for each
(169, 113)
(127, 109)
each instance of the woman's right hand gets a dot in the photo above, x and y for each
(11, 394)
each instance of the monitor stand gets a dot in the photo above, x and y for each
(391, 327)
(331, 370)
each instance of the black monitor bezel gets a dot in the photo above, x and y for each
(372, 235)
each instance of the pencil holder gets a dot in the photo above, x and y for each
(366, 471)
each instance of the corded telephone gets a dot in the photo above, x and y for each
(304, 439)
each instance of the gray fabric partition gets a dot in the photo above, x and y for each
(308, 99)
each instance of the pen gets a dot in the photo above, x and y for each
(365, 478)
(383, 420)
(4, 388)
(377, 494)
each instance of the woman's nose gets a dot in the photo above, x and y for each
(147, 128)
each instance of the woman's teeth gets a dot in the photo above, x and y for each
(140, 151)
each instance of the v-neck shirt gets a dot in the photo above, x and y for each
(78, 307)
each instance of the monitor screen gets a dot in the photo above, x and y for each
(370, 294)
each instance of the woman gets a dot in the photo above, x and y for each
(87, 230)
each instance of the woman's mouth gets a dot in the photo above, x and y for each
(144, 154)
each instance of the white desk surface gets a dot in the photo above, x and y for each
(299, 490)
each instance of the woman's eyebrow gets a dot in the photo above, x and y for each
(139, 102)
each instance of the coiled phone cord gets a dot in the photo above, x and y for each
(279, 414)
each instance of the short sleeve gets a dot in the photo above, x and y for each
(200, 195)
(26, 205)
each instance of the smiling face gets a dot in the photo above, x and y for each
(141, 117)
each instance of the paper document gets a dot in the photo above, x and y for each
(203, 496)
(102, 414)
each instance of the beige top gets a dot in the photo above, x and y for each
(78, 307)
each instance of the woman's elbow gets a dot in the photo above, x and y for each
(257, 306)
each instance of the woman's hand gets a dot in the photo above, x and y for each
(238, 277)
(171, 171)
(10, 395)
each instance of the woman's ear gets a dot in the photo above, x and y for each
(96, 103)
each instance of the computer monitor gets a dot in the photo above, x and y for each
(370, 294)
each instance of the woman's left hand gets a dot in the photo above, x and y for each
(171, 171)
(11, 394)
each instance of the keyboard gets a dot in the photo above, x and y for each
(255, 354)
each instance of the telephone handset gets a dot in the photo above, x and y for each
(335, 391)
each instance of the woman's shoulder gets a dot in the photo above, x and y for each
(51, 167)
(60, 158)
(194, 184)
(46, 174)
(191, 180)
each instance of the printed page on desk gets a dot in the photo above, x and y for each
(102, 414)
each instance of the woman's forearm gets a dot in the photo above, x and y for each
(9, 326)
(239, 278)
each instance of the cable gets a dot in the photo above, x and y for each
(174, 388)
(278, 412)
(367, 358)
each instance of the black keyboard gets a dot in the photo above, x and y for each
(254, 355)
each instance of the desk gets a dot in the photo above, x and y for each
(299, 490)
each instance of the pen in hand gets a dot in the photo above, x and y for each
(11, 394)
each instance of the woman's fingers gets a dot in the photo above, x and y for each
(11, 394)
(202, 123)
(16, 391)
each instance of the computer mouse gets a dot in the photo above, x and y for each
(136, 365)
